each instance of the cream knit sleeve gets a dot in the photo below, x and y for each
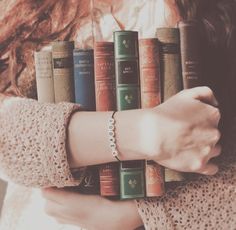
(33, 149)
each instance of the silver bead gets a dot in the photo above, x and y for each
(111, 127)
(115, 153)
(111, 133)
(111, 121)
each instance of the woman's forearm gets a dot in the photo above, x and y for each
(88, 139)
(180, 134)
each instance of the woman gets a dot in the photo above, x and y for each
(55, 176)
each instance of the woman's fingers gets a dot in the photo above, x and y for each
(215, 151)
(204, 94)
(209, 169)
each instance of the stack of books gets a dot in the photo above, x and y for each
(129, 73)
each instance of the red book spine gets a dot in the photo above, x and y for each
(150, 97)
(105, 76)
(109, 179)
(105, 88)
(150, 72)
(154, 179)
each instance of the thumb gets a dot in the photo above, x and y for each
(203, 94)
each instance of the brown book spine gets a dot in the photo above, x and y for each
(170, 61)
(105, 88)
(190, 46)
(62, 55)
(44, 76)
(171, 76)
(105, 76)
(149, 50)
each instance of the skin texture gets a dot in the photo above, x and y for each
(97, 213)
(182, 135)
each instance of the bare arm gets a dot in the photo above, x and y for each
(180, 134)
(89, 142)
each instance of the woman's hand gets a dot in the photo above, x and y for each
(182, 133)
(91, 212)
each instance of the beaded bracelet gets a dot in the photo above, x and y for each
(111, 134)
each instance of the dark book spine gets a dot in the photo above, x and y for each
(171, 76)
(85, 96)
(106, 101)
(84, 78)
(90, 183)
(62, 56)
(190, 45)
(44, 76)
(149, 51)
(132, 181)
(127, 69)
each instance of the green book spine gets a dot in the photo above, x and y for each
(171, 76)
(132, 180)
(127, 69)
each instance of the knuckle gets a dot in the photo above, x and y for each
(207, 90)
(217, 150)
(216, 113)
(181, 93)
(197, 166)
(216, 136)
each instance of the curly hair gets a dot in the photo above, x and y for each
(29, 25)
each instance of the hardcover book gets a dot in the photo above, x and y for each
(132, 181)
(84, 78)
(90, 183)
(170, 61)
(171, 76)
(62, 56)
(85, 96)
(106, 101)
(44, 76)
(109, 180)
(149, 50)
(190, 44)
(154, 175)
(127, 69)
(104, 61)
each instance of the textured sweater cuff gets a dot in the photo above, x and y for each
(33, 143)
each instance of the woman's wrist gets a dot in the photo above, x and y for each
(88, 139)
(128, 134)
